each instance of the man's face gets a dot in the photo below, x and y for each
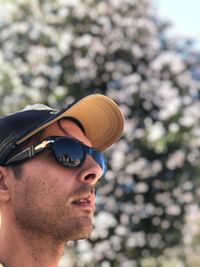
(52, 200)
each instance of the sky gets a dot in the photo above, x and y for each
(184, 14)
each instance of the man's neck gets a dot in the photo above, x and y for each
(19, 248)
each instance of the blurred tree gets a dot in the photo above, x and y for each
(52, 50)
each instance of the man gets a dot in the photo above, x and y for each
(50, 162)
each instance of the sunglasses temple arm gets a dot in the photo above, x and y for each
(29, 152)
(21, 156)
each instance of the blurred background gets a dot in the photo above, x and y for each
(56, 51)
(183, 15)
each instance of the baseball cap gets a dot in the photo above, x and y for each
(99, 115)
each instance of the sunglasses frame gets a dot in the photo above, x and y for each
(34, 150)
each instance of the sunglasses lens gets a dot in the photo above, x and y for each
(68, 152)
(71, 153)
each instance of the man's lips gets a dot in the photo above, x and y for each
(84, 201)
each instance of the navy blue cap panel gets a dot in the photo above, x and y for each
(21, 124)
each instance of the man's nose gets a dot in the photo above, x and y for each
(90, 171)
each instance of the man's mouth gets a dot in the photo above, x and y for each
(81, 201)
(85, 202)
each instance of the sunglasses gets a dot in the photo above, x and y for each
(67, 152)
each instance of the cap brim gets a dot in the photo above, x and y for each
(100, 116)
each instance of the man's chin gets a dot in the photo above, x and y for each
(83, 229)
(85, 232)
(81, 236)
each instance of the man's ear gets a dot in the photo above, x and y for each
(4, 192)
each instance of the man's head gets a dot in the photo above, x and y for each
(60, 159)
